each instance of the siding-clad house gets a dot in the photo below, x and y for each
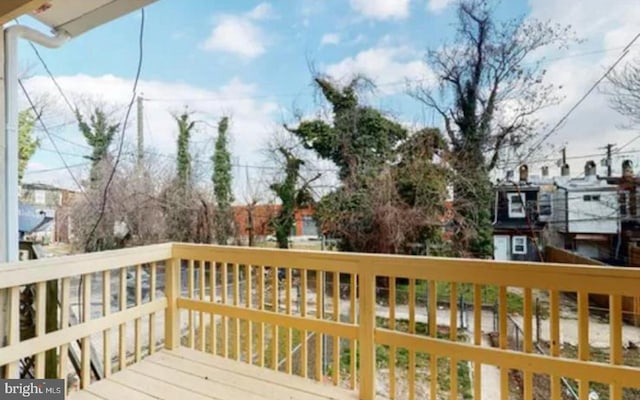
(521, 211)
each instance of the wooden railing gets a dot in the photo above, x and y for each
(379, 325)
(122, 269)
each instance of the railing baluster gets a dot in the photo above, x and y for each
(152, 316)
(11, 370)
(453, 336)
(366, 335)
(225, 329)
(336, 318)
(106, 311)
(392, 349)
(122, 329)
(411, 379)
(248, 298)
(477, 340)
(137, 324)
(261, 272)
(202, 340)
(303, 314)
(173, 290)
(433, 332)
(275, 338)
(236, 302)
(212, 317)
(41, 321)
(583, 339)
(319, 315)
(288, 332)
(65, 303)
(502, 333)
(528, 340)
(190, 294)
(352, 319)
(554, 317)
(85, 369)
(615, 341)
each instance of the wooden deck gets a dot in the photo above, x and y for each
(192, 375)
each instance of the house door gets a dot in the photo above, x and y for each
(501, 248)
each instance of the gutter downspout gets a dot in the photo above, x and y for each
(11, 36)
(9, 146)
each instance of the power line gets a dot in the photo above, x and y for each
(124, 129)
(584, 97)
(41, 171)
(53, 143)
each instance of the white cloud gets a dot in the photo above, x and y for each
(330, 38)
(239, 34)
(261, 11)
(382, 9)
(252, 120)
(437, 6)
(389, 67)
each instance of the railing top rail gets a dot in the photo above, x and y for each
(565, 277)
(26, 272)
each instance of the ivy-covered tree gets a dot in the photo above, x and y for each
(491, 85)
(183, 159)
(293, 194)
(222, 183)
(360, 139)
(27, 143)
(99, 133)
(385, 202)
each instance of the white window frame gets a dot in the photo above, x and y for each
(514, 245)
(513, 214)
(39, 197)
(541, 195)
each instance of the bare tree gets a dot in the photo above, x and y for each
(490, 86)
(624, 91)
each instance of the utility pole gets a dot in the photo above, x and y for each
(564, 156)
(609, 161)
(140, 130)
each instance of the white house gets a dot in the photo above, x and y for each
(587, 214)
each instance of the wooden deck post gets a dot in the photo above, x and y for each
(366, 330)
(172, 314)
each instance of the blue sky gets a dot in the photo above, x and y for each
(251, 59)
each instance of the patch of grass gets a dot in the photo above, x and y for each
(490, 294)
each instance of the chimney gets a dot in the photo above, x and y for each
(564, 170)
(590, 168)
(627, 168)
(545, 171)
(524, 173)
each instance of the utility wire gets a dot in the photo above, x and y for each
(593, 87)
(53, 143)
(134, 90)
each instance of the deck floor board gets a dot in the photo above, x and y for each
(190, 374)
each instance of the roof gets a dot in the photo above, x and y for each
(30, 220)
(41, 186)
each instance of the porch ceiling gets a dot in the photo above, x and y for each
(76, 17)
(10, 9)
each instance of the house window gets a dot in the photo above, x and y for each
(591, 197)
(544, 204)
(516, 205)
(39, 196)
(519, 245)
(623, 204)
